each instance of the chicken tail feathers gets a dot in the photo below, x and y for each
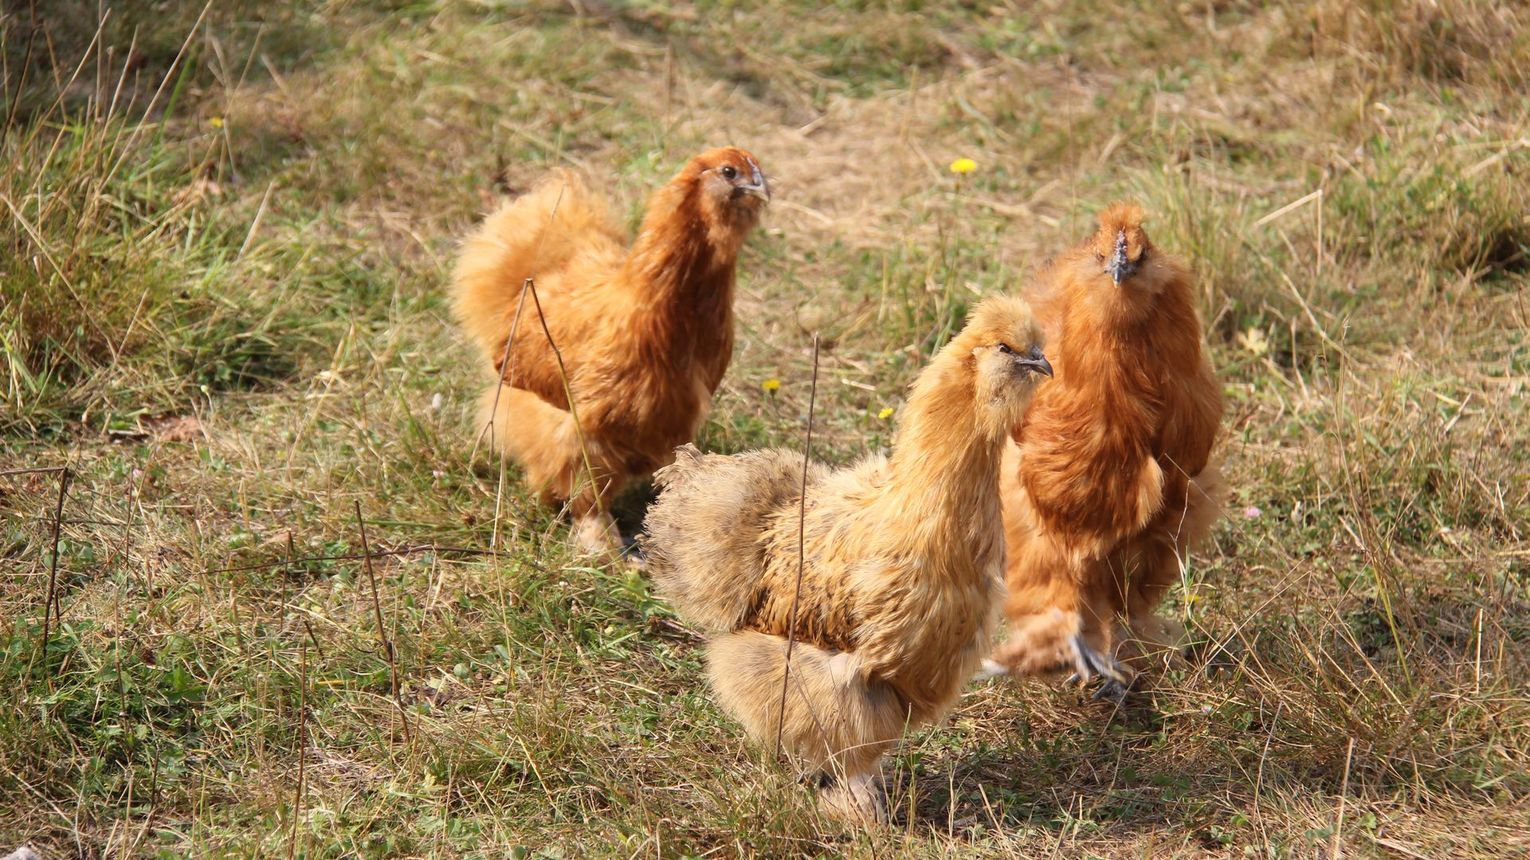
(703, 538)
(533, 236)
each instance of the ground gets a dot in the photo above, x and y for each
(225, 236)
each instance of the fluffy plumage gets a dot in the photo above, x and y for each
(645, 334)
(1112, 477)
(902, 562)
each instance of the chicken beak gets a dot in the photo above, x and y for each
(758, 187)
(1039, 365)
(1035, 362)
(1118, 267)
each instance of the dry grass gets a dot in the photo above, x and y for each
(223, 237)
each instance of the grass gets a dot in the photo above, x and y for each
(222, 251)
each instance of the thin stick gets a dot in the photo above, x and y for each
(1477, 677)
(791, 627)
(313, 637)
(281, 619)
(1264, 835)
(50, 610)
(568, 392)
(302, 740)
(9, 472)
(281, 614)
(403, 550)
(382, 631)
(1318, 274)
(1338, 824)
(260, 212)
(1293, 205)
(21, 79)
(133, 504)
(504, 373)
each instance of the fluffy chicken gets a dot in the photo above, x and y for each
(901, 560)
(640, 337)
(1112, 478)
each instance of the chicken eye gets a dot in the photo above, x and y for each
(1006, 349)
(729, 172)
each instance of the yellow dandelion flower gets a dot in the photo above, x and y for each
(216, 122)
(963, 166)
(886, 413)
(772, 385)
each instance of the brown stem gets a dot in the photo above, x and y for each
(568, 393)
(302, 740)
(382, 630)
(504, 373)
(403, 550)
(791, 627)
(50, 606)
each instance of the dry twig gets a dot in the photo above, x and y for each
(382, 630)
(791, 628)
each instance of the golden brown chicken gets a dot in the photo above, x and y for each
(642, 336)
(902, 559)
(1112, 479)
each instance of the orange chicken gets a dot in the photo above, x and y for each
(1111, 479)
(640, 336)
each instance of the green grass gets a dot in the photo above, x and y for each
(223, 241)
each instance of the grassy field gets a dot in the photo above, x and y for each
(224, 235)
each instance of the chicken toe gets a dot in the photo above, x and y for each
(1112, 691)
(1090, 662)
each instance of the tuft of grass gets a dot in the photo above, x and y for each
(1452, 42)
(119, 300)
(138, 280)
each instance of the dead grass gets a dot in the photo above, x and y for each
(221, 308)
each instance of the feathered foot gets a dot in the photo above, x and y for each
(857, 799)
(1048, 641)
(1115, 679)
(1054, 640)
(839, 722)
(632, 554)
(990, 668)
(595, 533)
(1089, 663)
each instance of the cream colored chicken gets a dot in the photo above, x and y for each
(902, 573)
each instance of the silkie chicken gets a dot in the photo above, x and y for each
(1111, 479)
(645, 334)
(900, 584)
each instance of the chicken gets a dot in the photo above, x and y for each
(1112, 478)
(640, 337)
(900, 573)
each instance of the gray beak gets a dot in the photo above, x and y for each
(758, 186)
(1117, 266)
(1034, 361)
